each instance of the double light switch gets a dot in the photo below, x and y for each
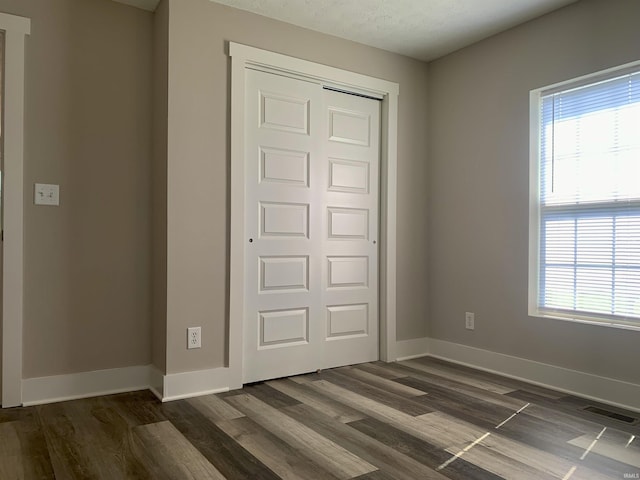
(47, 194)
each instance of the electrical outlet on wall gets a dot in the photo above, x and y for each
(470, 320)
(194, 339)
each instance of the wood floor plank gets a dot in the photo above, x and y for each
(576, 406)
(584, 473)
(623, 438)
(137, 408)
(272, 397)
(214, 408)
(282, 458)
(538, 433)
(455, 375)
(421, 451)
(500, 464)
(68, 457)
(167, 454)
(23, 448)
(376, 394)
(229, 458)
(535, 458)
(610, 447)
(336, 459)
(11, 462)
(395, 387)
(511, 383)
(561, 418)
(416, 426)
(9, 442)
(553, 442)
(316, 400)
(398, 465)
(301, 379)
(377, 475)
(116, 431)
(379, 369)
(507, 467)
(76, 431)
(425, 381)
(522, 427)
(467, 407)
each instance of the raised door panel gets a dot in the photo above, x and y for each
(348, 126)
(348, 223)
(283, 328)
(347, 321)
(284, 274)
(283, 112)
(348, 272)
(284, 220)
(282, 122)
(283, 166)
(350, 283)
(348, 176)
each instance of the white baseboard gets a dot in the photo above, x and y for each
(177, 386)
(193, 384)
(156, 382)
(59, 388)
(593, 387)
(408, 349)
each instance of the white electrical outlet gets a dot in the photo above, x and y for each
(194, 338)
(470, 320)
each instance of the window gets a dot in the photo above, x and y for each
(585, 215)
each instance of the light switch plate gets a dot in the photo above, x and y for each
(46, 194)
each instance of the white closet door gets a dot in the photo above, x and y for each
(309, 222)
(350, 229)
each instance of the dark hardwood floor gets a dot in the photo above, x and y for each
(418, 419)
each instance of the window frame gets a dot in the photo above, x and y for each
(535, 214)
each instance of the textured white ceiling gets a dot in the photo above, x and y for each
(423, 29)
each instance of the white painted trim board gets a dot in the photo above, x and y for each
(592, 387)
(15, 28)
(60, 388)
(204, 382)
(194, 384)
(409, 349)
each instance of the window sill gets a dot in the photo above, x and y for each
(586, 321)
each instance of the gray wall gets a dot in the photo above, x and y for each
(479, 180)
(87, 128)
(159, 186)
(198, 167)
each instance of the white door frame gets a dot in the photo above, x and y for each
(243, 57)
(15, 29)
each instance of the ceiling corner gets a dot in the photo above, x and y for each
(149, 5)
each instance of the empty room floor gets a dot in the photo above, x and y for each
(417, 419)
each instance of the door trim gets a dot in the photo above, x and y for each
(15, 29)
(243, 57)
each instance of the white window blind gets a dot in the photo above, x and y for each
(589, 201)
